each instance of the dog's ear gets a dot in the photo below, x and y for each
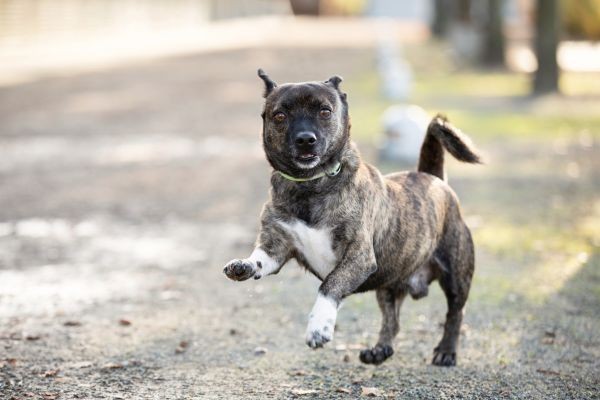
(334, 81)
(269, 83)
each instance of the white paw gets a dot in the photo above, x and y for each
(321, 322)
(239, 270)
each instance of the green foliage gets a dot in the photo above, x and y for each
(521, 126)
(485, 104)
(581, 18)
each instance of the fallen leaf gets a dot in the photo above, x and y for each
(302, 392)
(124, 322)
(32, 337)
(183, 345)
(260, 351)
(548, 340)
(551, 334)
(111, 366)
(370, 391)
(72, 323)
(50, 373)
(343, 390)
(10, 361)
(298, 372)
(547, 371)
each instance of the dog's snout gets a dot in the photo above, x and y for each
(305, 139)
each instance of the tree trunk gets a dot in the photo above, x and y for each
(493, 43)
(305, 7)
(463, 11)
(546, 45)
(441, 18)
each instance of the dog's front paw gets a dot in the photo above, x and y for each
(321, 322)
(317, 336)
(239, 270)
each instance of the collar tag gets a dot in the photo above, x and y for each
(335, 170)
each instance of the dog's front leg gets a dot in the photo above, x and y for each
(269, 255)
(355, 267)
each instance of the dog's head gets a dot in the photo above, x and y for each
(305, 125)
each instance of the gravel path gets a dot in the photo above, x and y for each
(125, 191)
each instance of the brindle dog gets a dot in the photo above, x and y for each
(353, 228)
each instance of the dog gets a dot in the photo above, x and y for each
(353, 228)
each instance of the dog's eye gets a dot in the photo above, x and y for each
(325, 113)
(279, 117)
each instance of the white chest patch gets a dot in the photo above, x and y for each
(314, 244)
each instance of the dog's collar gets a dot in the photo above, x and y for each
(333, 171)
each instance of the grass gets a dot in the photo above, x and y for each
(516, 125)
(486, 104)
(471, 83)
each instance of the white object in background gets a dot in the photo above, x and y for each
(404, 128)
(395, 73)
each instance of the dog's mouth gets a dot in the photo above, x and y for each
(306, 157)
(307, 160)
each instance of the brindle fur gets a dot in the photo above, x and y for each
(394, 234)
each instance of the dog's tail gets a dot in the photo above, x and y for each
(441, 135)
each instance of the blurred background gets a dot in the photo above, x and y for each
(131, 171)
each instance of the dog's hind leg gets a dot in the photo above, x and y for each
(458, 260)
(389, 301)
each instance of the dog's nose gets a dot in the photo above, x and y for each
(305, 139)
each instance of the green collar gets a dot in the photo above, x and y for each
(333, 171)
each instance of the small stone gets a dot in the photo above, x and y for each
(260, 351)
(303, 392)
(370, 391)
(82, 364)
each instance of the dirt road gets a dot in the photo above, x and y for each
(125, 191)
